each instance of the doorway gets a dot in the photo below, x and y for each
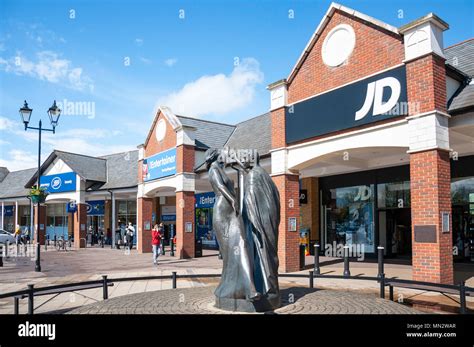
(395, 232)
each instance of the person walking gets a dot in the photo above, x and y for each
(130, 233)
(156, 237)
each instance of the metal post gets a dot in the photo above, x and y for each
(462, 297)
(30, 298)
(382, 286)
(2, 246)
(317, 271)
(380, 251)
(16, 305)
(390, 292)
(347, 273)
(38, 250)
(105, 290)
(174, 278)
(172, 245)
(311, 279)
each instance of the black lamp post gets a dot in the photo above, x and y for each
(53, 112)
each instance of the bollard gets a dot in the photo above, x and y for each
(347, 273)
(380, 250)
(172, 248)
(173, 276)
(38, 257)
(390, 291)
(30, 298)
(16, 305)
(311, 279)
(317, 271)
(462, 297)
(1, 254)
(302, 256)
(382, 286)
(105, 288)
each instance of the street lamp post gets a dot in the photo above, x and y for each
(53, 112)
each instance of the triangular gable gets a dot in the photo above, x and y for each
(327, 17)
(170, 117)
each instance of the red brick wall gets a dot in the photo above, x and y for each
(430, 186)
(153, 146)
(185, 158)
(278, 128)
(144, 214)
(288, 242)
(426, 79)
(80, 218)
(41, 235)
(375, 50)
(184, 214)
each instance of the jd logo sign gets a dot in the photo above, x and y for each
(374, 97)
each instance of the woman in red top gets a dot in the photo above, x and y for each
(156, 236)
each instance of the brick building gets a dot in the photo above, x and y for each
(369, 140)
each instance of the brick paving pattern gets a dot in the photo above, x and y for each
(200, 300)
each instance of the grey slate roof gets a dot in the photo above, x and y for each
(14, 183)
(208, 134)
(122, 170)
(461, 56)
(254, 133)
(89, 168)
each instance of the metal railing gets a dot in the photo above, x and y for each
(105, 282)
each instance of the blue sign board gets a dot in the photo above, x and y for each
(65, 182)
(205, 200)
(95, 207)
(8, 211)
(71, 207)
(168, 217)
(159, 165)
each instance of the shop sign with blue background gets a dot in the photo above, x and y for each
(93, 207)
(203, 218)
(159, 165)
(168, 217)
(8, 211)
(65, 182)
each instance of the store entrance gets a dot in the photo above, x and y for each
(395, 232)
(463, 232)
(95, 229)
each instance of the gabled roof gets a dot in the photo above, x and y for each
(13, 183)
(208, 134)
(87, 167)
(122, 170)
(254, 133)
(170, 117)
(332, 8)
(461, 57)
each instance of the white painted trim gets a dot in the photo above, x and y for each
(322, 24)
(430, 148)
(348, 134)
(348, 83)
(429, 113)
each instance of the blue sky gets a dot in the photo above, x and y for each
(121, 59)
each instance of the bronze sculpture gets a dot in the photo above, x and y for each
(247, 241)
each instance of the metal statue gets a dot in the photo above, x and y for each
(248, 241)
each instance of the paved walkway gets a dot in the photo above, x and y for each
(201, 301)
(91, 263)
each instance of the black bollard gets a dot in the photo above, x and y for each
(173, 276)
(302, 256)
(30, 298)
(382, 286)
(347, 273)
(317, 271)
(1, 254)
(38, 257)
(163, 247)
(462, 297)
(172, 247)
(380, 250)
(105, 288)
(311, 279)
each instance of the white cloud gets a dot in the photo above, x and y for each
(217, 94)
(145, 60)
(6, 123)
(171, 62)
(139, 42)
(49, 66)
(19, 160)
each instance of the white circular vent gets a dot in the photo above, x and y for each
(160, 130)
(338, 45)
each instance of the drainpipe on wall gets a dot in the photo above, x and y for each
(112, 227)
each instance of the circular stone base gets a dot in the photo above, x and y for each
(201, 300)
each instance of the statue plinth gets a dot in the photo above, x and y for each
(264, 304)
